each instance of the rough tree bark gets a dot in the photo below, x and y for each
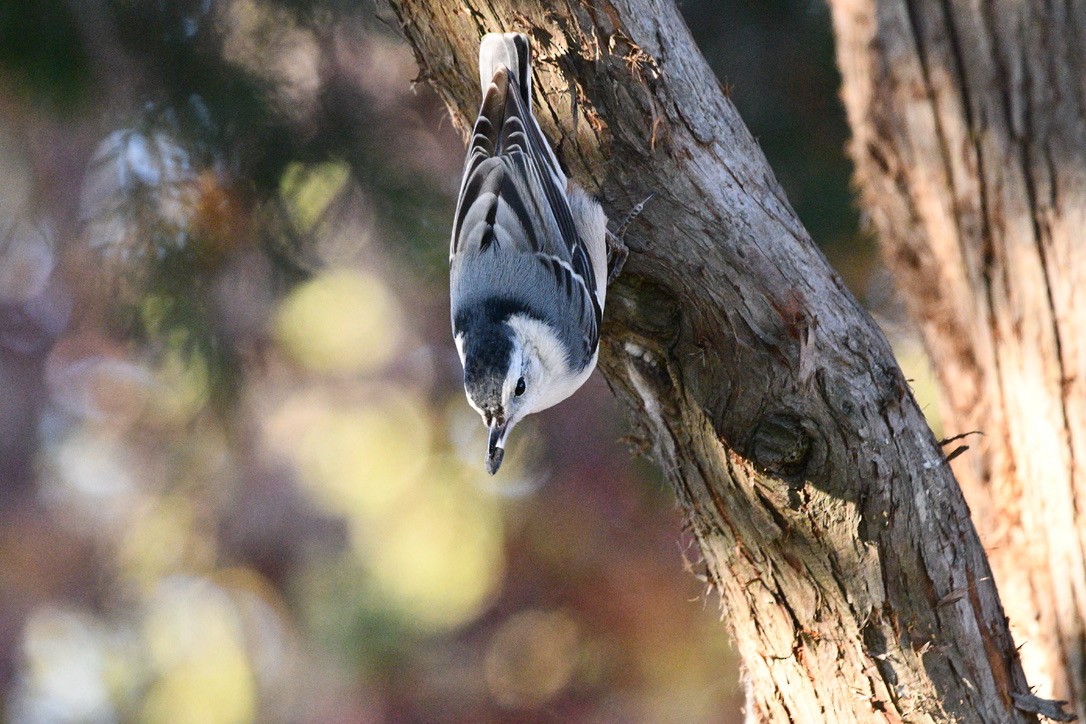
(828, 519)
(969, 123)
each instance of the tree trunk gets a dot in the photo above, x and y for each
(851, 576)
(969, 123)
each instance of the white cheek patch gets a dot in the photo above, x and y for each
(540, 337)
(556, 380)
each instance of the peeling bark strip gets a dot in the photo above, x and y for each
(851, 575)
(969, 125)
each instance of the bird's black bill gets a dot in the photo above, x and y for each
(495, 448)
(494, 459)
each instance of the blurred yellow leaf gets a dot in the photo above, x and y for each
(185, 382)
(430, 541)
(195, 640)
(916, 366)
(440, 557)
(307, 190)
(341, 321)
(356, 460)
(155, 540)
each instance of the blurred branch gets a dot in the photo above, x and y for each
(829, 521)
(969, 125)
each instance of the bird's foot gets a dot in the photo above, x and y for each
(617, 251)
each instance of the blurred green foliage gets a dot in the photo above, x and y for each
(43, 53)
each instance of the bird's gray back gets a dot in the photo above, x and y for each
(525, 281)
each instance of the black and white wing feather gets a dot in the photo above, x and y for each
(514, 205)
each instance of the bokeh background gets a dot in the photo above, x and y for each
(238, 478)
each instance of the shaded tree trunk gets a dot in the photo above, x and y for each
(969, 123)
(852, 578)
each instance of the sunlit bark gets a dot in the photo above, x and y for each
(969, 123)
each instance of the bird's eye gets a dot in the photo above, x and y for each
(520, 387)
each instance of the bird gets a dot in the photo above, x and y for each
(529, 257)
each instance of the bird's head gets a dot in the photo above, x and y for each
(503, 379)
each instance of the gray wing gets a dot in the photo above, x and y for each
(493, 286)
(513, 197)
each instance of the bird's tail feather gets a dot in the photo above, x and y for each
(513, 51)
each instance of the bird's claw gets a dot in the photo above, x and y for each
(617, 251)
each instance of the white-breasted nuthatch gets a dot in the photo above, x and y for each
(528, 260)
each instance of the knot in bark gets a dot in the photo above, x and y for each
(780, 445)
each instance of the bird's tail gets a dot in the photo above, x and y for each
(513, 51)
